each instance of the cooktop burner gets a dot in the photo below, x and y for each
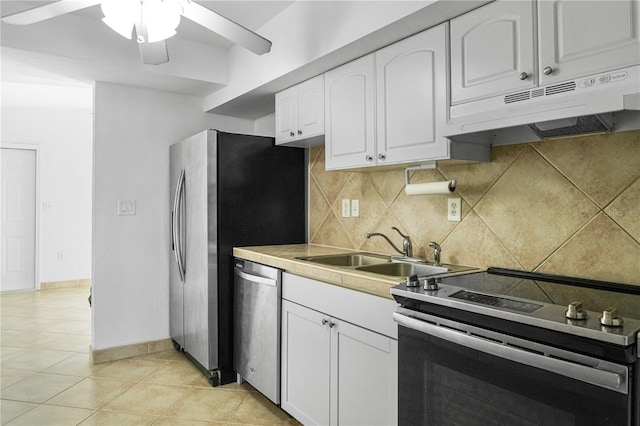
(608, 312)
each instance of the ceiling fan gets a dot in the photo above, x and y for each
(153, 21)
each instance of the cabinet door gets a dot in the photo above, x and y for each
(305, 364)
(311, 107)
(491, 48)
(411, 94)
(579, 38)
(364, 384)
(350, 115)
(286, 115)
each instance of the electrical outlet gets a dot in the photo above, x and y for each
(126, 207)
(355, 208)
(454, 209)
(346, 208)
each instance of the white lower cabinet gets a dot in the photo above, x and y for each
(335, 372)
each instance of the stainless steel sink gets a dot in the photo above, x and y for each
(404, 269)
(348, 259)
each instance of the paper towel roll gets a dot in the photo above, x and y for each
(430, 188)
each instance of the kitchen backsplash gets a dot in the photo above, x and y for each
(569, 206)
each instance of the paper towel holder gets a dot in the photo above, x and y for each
(451, 185)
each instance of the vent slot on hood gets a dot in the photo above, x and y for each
(560, 88)
(571, 127)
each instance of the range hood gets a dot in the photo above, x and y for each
(600, 103)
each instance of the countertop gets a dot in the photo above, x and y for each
(284, 257)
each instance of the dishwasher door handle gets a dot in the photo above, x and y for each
(256, 278)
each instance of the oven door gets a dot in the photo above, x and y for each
(455, 374)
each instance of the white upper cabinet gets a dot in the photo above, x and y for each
(350, 115)
(493, 48)
(411, 98)
(300, 114)
(594, 36)
(492, 51)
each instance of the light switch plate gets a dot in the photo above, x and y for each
(346, 208)
(454, 209)
(355, 208)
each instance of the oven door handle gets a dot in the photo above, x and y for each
(585, 373)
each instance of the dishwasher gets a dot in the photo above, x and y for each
(257, 309)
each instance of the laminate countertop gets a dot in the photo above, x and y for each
(285, 257)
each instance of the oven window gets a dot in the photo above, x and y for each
(441, 384)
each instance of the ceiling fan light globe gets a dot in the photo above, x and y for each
(160, 18)
(125, 29)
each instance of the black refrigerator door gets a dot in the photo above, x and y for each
(261, 201)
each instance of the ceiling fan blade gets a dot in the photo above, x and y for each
(51, 10)
(226, 28)
(154, 53)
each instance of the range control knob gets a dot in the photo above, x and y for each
(610, 318)
(412, 281)
(430, 284)
(575, 311)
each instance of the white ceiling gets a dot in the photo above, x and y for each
(80, 47)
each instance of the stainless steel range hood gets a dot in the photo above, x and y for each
(601, 103)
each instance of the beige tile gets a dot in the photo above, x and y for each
(76, 365)
(9, 410)
(8, 352)
(332, 233)
(52, 415)
(625, 210)
(36, 359)
(10, 376)
(147, 398)
(112, 418)
(168, 355)
(474, 180)
(168, 421)
(601, 251)
(91, 393)
(601, 165)
(181, 373)
(472, 243)
(255, 409)
(388, 184)
(533, 209)
(208, 404)
(160, 346)
(330, 183)
(129, 369)
(318, 207)
(39, 387)
(121, 352)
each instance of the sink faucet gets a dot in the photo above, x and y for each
(407, 246)
(437, 250)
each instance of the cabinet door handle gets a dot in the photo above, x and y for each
(324, 321)
(291, 134)
(381, 157)
(369, 158)
(547, 70)
(331, 324)
(523, 76)
(299, 132)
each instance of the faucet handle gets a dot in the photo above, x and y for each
(398, 231)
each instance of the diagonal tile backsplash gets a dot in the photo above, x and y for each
(569, 206)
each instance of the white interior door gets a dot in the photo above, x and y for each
(18, 227)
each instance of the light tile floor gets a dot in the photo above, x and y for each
(46, 377)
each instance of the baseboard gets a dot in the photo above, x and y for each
(99, 356)
(86, 283)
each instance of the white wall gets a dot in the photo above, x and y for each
(133, 131)
(59, 121)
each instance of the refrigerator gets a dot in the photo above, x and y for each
(227, 190)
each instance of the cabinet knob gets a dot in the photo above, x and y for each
(523, 76)
(368, 158)
(381, 157)
(547, 70)
(291, 134)
(299, 132)
(324, 321)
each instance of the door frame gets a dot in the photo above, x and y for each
(36, 148)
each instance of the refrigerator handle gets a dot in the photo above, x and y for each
(176, 224)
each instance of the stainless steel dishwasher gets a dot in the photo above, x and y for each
(257, 306)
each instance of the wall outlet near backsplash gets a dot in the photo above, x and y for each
(454, 209)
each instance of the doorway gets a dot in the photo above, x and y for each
(18, 223)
